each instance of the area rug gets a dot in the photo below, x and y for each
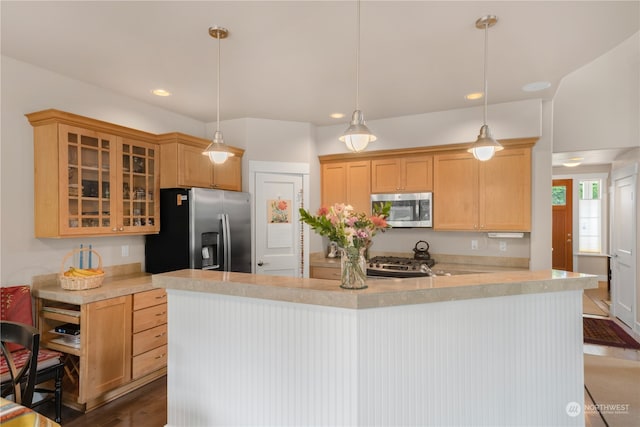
(607, 332)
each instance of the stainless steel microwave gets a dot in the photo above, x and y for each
(407, 209)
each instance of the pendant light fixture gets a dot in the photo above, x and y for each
(485, 146)
(218, 151)
(357, 136)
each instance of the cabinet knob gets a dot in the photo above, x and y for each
(121, 229)
(114, 229)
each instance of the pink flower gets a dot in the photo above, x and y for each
(379, 222)
(282, 205)
(323, 211)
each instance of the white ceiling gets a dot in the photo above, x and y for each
(295, 60)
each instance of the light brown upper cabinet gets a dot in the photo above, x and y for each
(483, 196)
(411, 174)
(92, 177)
(184, 165)
(347, 182)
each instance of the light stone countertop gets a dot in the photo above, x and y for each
(112, 287)
(381, 292)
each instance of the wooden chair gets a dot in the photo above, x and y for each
(22, 365)
(15, 307)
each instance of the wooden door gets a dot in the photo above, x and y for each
(562, 224)
(228, 175)
(194, 168)
(333, 181)
(385, 176)
(417, 174)
(455, 192)
(359, 185)
(107, 357)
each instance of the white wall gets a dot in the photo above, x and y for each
(598, 105)
(26, 89)
(509, 120)
(268, 141)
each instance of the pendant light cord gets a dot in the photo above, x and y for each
(486, 55)
(358, 57)
(218, 88)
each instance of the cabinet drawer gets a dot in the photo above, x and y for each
(149, 298)
(325, 273)
(149, 339)
(149, 318)
(149, 361)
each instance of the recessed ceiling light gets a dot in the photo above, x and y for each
(161, 92)
(573, 162)
(473, 96)
(536, 86)
(336, 115)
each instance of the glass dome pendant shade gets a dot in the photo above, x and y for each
(485, 146)
(357, 136)
(218, 151)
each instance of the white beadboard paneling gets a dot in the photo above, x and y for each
(511, 361)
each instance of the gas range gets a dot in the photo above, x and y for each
(391, 266)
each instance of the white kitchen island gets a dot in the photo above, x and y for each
(495, 349)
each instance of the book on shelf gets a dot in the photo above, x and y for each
(68, 328)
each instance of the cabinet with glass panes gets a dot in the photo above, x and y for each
(93, 177)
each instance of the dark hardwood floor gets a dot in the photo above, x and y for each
(145, 407)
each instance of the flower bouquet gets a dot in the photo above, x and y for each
(353, 232)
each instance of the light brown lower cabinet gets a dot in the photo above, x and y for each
(331, 273)
(122, 344)
(149, 332)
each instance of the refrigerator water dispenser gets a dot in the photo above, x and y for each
(210, 255)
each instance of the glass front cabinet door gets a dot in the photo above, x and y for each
(138, 181)
(87, 167)
(111, 183)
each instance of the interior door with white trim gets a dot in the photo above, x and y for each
(277, 224)
(623, 243)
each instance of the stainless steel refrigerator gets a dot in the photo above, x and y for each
(202, 229)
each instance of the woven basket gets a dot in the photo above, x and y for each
(80, 283)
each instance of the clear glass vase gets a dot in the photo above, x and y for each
(354, 268)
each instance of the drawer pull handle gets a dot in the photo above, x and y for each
(161, 335)
(161, 314)
(162, 296)
(161, 356)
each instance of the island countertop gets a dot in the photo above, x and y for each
(380, 292)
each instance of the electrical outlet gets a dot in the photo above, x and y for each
(125, 250)
(474, 245)
(503, 246)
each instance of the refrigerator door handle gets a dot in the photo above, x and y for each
(226, 242)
